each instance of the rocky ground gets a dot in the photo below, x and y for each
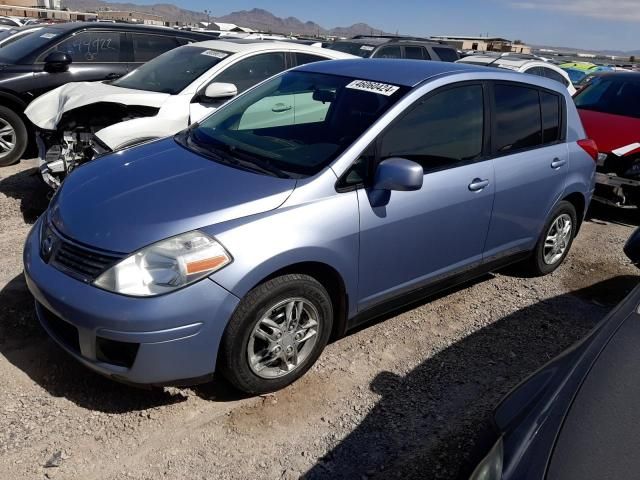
(403, 397)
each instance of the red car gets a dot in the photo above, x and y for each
(609, 107)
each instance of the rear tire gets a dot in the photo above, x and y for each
(276, 334)
(13, 137)
(556, 240)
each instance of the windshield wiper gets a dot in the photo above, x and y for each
(255, 160)
(227, 154)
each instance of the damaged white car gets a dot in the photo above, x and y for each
(79, 121)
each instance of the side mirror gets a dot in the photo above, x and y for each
(220, 91)
(398, 174)
(57, 62)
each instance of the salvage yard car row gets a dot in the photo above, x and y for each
(245, 202)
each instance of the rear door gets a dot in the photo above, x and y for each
(531, 164)
(147, 46)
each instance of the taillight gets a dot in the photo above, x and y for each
(590, 147)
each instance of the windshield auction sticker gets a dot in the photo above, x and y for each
(215, 53)
(373, 87)
(367, 48)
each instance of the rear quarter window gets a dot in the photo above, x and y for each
(446, 54)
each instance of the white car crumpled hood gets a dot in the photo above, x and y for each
(45, 111)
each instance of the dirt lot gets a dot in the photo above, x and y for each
(401, 397)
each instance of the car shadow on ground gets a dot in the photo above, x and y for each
(25, 344)
(599, 213)
(426, 423)
(28, 187)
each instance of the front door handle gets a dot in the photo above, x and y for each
(281, 107)
(113, 76)
(557, 163)
(478, 184)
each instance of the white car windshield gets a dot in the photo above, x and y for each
(172, 71)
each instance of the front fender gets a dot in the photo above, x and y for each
(323, 230)
(126, 133)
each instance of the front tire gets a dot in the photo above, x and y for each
(276, 334)
(13, 137)
(556, 240)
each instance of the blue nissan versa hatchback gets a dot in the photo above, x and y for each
(319, 198)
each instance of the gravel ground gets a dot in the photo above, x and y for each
(404, 397)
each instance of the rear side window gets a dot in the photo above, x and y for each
(91, 47)
(551, 117)
(304, 58)
(518, 123)
(389, 52)
(539, 71)
(553, 75)
(415, 53)
(446, 54)
(443, 131)
(147, 47)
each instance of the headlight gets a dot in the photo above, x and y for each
(165, 266)
(490, 468)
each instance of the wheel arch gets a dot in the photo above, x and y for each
(578, 201)
(330, 279)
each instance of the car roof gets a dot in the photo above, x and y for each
(408, 73)
(381, 40)
(73, 26)
(512, 61)
(256, 45)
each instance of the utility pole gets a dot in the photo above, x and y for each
(208, 12)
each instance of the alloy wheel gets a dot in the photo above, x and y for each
(557, 239)
(283, 338)
(7, 138)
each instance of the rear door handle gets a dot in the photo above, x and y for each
(557, 163)
(113, 76)
(478, 184)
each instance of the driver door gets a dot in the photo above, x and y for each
(419, 237)
(244, 74)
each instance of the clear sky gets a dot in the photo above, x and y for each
(589, 24)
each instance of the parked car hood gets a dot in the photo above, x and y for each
(610, 132)
(138, 196)
(45, 111)
(600, 437)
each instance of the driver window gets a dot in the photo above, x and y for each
(253, 70)
(443, 131)
(90, 47)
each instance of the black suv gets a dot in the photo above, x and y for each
(388, 46)
(54, 55)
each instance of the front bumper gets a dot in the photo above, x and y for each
(160, 340)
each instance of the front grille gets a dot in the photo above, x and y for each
(81, 262)
(64, 332)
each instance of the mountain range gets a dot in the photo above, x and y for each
(256, 18)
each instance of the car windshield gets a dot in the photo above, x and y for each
(172, 71)
(292, 125)
(353, 48)
(608, 94)
(27, 44)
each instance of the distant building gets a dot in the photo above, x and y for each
(484, 44)
(225, 27)
(41, 9)
(130, 16)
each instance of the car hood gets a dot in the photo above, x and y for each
(600, 437)
(45, 111)
(135, 197)
(611, 132)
